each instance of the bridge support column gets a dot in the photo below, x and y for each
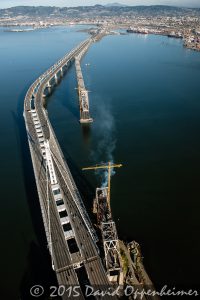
(48, 85)
(61, 72)
(56, 78)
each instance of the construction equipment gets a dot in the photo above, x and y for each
(113, 260)
(107, 166)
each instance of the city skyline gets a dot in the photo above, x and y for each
(71, 3)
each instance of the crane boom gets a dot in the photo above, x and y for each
(103, 166)
(107, 166)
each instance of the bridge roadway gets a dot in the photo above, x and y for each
(70, 234)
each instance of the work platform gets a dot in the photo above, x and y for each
(110, 240)
(82, 92)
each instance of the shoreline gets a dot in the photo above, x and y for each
(189, 42)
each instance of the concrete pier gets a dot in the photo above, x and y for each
(56, 78)
(82, 91)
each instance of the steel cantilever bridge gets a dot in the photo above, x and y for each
(70, 234)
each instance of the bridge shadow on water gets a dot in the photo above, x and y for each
(38, 270)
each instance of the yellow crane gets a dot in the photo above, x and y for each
(107, 166)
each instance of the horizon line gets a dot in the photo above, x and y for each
(123, 5)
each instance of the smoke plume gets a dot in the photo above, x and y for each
(104, 129)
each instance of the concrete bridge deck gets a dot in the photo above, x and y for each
(82, 91)
(70, 234)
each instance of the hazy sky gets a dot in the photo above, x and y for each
(9, 3)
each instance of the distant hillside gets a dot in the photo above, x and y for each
(115, 4)
(97, 10)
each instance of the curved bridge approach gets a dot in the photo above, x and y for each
(70, 234)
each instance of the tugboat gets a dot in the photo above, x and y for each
(130, 30)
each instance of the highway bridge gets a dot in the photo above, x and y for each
(70, 235)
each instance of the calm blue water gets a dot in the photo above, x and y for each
(145, 103)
